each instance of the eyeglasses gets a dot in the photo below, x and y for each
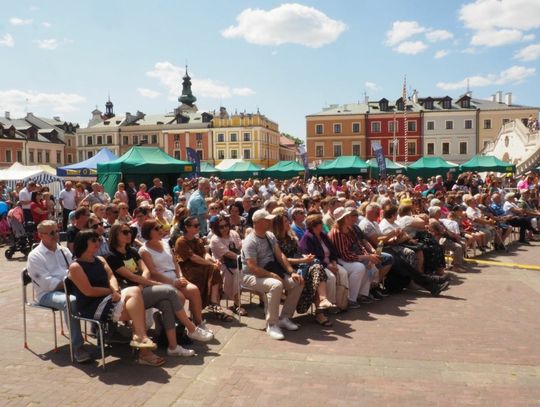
(126, 232)
(224, 226)
(97, 225)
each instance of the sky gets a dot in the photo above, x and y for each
(64, 58)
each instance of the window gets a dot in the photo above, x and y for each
(81, 156)
(447, 104)
(31, 156)
(19, 156)
(154, 138)
(449, 125)
(177, 154)
(247, 154)
(356, 150)
(247, 136)
(125, 140)
(319, 128)
(198, 136)
(90, 154)
(39, 157)
(430, 125)
(220, 137)
(89, 140)
(176, 144)
(465, 103)
(393, 146)
(177, 137)
(463, 147)
(375, 127)
(468, 124)
(135, 140)
(144, 139)
(411, 148)
(99, 140)
(337, 150)
(356, 127)
(430, 148)
(234, 137)
(109, 140)
(393, 125)
(487, 124)
(58, 157)
(69, 158)
(411, 126)
(319, 151)
(8, 156)
(337, 128)
(446, 148)
(221, 154)
(234, 154)
(69, 142)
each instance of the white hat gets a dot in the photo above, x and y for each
(262, 214)
(340, 213)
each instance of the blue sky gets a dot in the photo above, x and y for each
(287, 59)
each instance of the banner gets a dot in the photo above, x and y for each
(193, 157)
(303, 156)
(379, 156)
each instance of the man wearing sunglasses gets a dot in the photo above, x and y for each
(47, 266)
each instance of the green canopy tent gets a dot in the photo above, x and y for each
(208, 170)
(482, 163)
(392, 168)
(343, 165)
(242, 170)
(284, 170)
(142, 164)
(429, 167)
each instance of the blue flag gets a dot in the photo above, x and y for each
(303, 156)
(193, 157)
(379, 156)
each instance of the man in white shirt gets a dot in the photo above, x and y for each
(25, 199)
(47, 266)
(67, 202)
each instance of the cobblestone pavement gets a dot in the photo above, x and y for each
(476, 345)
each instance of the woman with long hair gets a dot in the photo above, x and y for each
(99, 296)
(121, 193)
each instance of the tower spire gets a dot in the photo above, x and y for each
(187, 97)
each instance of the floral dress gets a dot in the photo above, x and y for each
(314, 275)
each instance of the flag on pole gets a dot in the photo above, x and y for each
(405, 125)
(379, 156)
(193, 158)
(303, 156)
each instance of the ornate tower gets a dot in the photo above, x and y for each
(109, 109)
(187, 98)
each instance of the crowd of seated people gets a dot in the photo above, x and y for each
(327, 244)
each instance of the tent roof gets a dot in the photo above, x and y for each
(41, 174)
(90, 165)
(228, 162)
(487, 163)
(243, 166)
(207, 168)
(391, 165)
(144, 160)
(284, 169)
(431, 162)
(345, 164)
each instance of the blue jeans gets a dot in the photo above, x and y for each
(57, 300)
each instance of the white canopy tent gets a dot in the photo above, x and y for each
(41, 174)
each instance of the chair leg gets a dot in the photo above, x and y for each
(24, 325)
(102, 345)
(62, 324)
(54, 329)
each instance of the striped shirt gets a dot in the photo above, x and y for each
(345, 244)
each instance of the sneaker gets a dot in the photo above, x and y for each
(81, 356)
(353, 305)
(201, 335)
(437, 288)
(287, 324)
(179, 351)
(275, 332)
(204, 327)
(375, 295)
(365, 299)
(382, 291)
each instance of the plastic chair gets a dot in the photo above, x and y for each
(69, 290)
(26, 280)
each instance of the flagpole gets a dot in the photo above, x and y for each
(405, 119)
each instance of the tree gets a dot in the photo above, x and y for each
(296, 140)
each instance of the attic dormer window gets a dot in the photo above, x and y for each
(447, 104)
(465, 103)
(429, 104)
(383, 105)
(400, 105)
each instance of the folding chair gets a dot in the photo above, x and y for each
(69, 289)
(26, 280)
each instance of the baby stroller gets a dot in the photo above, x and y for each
(23, 233)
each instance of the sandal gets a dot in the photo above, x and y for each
(239, 311)
(146, 343)
(151, 360)
(325, 322)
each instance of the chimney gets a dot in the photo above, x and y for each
(499, 96)
(493, 98)
(508, 99)
(6, 114)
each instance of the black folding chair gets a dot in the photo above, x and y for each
(69, 288)
(26, 280)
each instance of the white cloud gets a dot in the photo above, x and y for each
(411, 47)
(49, 44)
(441, 54)
(148, 93)
(529, 53)
(170, 76)
(496, 38)
(46, 24)
(506, 20)
(401, 30)
(20, 21)
(470, 50)
(514, 75)
(18, 101)
(439, 35)
(371, 86)
(289, 23)
(7, 40)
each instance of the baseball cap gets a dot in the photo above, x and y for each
(262, 214)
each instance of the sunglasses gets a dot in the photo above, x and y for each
(126, 232)
(97, 225)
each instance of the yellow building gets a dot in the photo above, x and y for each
(251, 137)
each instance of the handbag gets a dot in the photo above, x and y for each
(231, 263)
(276, 267)
(342, 294)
